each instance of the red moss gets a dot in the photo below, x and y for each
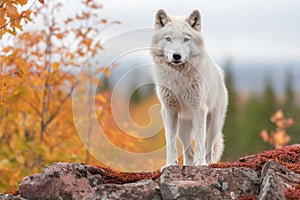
(247, 198)
(13, 192)
(293, 193)
(294, 167)
(287, 156)
(110, 175)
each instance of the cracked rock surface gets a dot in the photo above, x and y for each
(192, 182)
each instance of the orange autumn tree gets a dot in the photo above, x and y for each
(11, 18)
(13, 15)
(36, 123)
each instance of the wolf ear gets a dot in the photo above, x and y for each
(161, 19)
(194, 19)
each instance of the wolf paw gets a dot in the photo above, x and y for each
(166, 166)
(200, 162)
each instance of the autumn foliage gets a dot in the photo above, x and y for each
(12, 18)
(37, 78)
(279, 137)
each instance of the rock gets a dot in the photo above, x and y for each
(60, 181)
(272, 188)
(143, 190)
(10, 197)
(77, 181)
(276, 179)
(254, 177)
(199, 182)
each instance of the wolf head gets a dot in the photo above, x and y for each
(177, 39)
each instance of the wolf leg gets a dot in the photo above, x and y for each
(184, 134)
(199, 125)
(170, 120)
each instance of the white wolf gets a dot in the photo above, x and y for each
(191, 89)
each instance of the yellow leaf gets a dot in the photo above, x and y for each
(55, 66)
(13, 32)
(20, 159)
(3, 87)
(101, 98)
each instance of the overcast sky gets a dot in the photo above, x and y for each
(247, 30)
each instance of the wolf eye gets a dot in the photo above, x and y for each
(168, 39)
(186, 39)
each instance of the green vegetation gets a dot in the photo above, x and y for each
(247, 117)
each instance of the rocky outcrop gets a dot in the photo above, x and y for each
(10, 197)
(268, 175)
(181, 182)
(77, 181)
(142, 190)
(60, 181)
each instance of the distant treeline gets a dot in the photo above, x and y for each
(247, 117)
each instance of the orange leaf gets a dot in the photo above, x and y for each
(264, 135)
(26, 15)
(114, 64)
(41, 1)
(22, 2)
(87, 42)
(18, 25)
(20, 62)
(104, 21)
(12, 11)
(55, 66)
(2, 21)
(107, 71)
(7, 49)
(104, 69)
(70, 55)
(59, 36)
(68, 20)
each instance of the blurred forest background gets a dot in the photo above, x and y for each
(41, 51)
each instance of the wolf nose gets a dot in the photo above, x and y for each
(176, 56)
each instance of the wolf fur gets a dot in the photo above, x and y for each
(191, 89)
